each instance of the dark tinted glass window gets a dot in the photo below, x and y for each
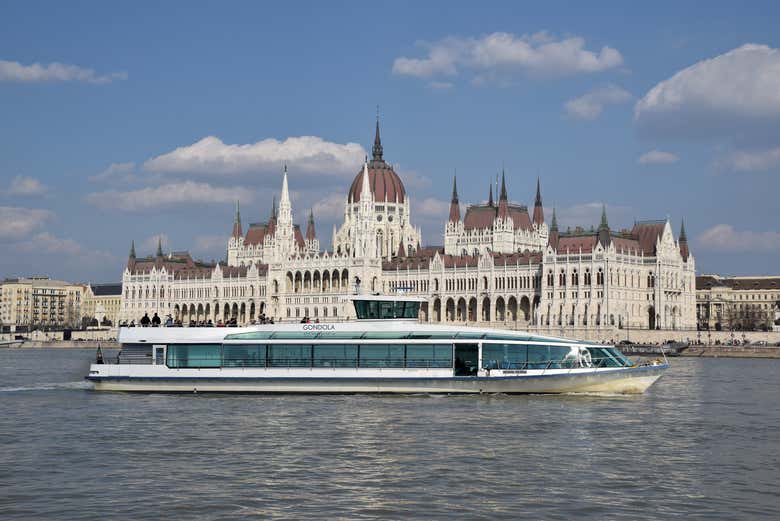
(335, 355)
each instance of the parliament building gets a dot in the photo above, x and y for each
(501, 265)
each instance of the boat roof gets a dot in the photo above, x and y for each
(384, 298)
(364, 329)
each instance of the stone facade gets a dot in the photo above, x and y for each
(500, 265)
(738, 303)
(40, 302)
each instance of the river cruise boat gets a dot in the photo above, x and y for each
(386, 350)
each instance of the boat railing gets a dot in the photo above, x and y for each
(564, 363)
(319, 363)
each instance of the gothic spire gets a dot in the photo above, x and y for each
(377, 151)
(490, 197)
(605, 237)
(273, 208)
(310, 232)
(604, 224)
(132, 249)
(538, 208)
(285, 197)
(454, 205)
(237, 232)
(684, 251)
(503, 196)
(159, 246)
(552, 240)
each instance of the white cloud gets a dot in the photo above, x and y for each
(12, 71)
(590, 105)
(430, 207)
(20, 222)
(305, 155)
(729, 94)
(186, 192)
(537, 54)
(751, 160)
(21, 185)
(330, 207)
(45, 243)
(723, 237)
(116, 172)
(657, 157)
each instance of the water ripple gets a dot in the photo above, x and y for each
(702, 443)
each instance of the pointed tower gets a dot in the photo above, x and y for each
(401, 249)
(605, 238)
(503, 199)
(131, 257)
(237, 232)
(684, 251)
(377, 150)
(538, 208)
(454, 204)
(312, 245)
(554, 235)
(490, 197)
(285, 232)
(453, 229)
(159, 247)
(310, 233)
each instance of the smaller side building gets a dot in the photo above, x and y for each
(738, 303)
(35, 302)
(102, 304)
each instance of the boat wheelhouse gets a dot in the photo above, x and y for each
(386, 350)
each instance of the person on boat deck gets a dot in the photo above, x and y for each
(156, 320)
(145, 320)
(210, 323)
(132, 323)
(168, 320)
(99, 356)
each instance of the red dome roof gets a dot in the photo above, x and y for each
(385, 183)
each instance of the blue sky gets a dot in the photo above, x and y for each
(128, 121)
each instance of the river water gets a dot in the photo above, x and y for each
(704, 442)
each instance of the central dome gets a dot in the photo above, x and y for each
(385, 183)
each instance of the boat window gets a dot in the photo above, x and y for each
(243, 355)
(504, 356)
(335, 355)
(289, 355)
(562, 357)
(620, 356)
(538, 356)
(386, 309)
(194, 355)
(382, 355)
(429, 355)
(601, 357)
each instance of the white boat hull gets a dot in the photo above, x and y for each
(631, 380)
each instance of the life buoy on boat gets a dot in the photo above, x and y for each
(585, 358)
